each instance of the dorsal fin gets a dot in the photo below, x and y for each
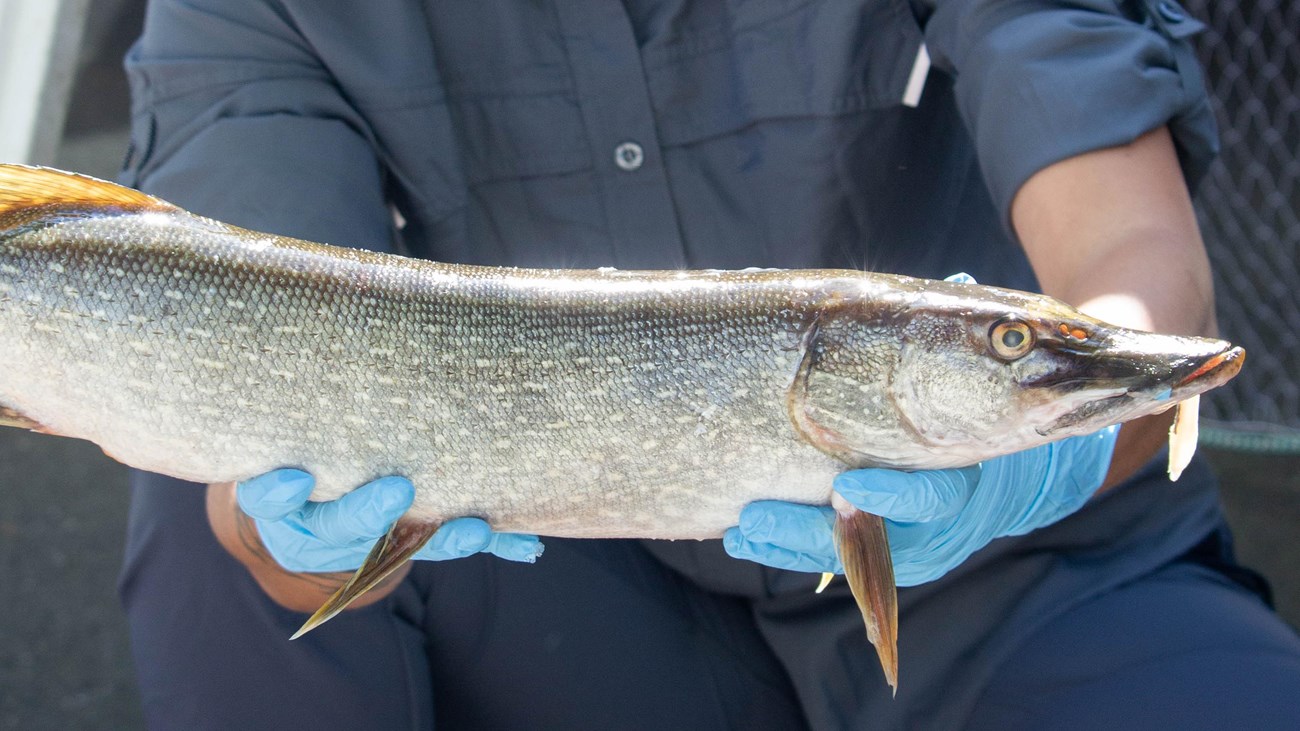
(24, 187)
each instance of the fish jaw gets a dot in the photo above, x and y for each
(1211, 373)
(1145, 382)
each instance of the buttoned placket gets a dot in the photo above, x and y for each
(620, 125)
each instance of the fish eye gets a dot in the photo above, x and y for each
(1011, 339)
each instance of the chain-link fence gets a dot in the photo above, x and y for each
(1249, 207)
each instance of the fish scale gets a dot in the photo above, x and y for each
(516, 380)
(583, 403)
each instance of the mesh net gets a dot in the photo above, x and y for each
(1248, 208)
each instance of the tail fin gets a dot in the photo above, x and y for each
(405, 538)
(864, 551)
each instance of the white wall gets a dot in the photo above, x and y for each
(39, 40)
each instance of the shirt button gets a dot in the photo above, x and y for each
(629, 156)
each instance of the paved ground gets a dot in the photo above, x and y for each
(63, 654)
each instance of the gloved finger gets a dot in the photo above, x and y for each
(456, 539)
(515, 547)
(923, 552)
(909, 497)
(796, 527)
(735, 544)
(917, 573)
(273, 495)
(467, 536)
(1086, 459)
(361, 515)
(298, 551)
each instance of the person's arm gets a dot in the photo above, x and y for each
(234, 119)
(1061, 98)
(1110, 231)
(1113, 233)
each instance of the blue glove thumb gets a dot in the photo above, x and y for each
(936, 519)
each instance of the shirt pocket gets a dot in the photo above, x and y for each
(523, 135)
(438, 144)
(791, 58)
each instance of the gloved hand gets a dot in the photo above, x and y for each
(305, 536)
(936, 518)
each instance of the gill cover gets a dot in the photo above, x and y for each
(839, 399)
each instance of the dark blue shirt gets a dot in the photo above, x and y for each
(754, 134)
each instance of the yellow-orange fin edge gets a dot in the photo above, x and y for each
(24, 187)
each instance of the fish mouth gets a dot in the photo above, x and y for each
(1140, 391)
(1211, 372)
(1142, 371)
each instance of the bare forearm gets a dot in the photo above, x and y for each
(302, 592)
(1113, 233)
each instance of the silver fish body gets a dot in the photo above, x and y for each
(593, 403)
(568, 403)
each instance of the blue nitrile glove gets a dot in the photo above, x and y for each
(935, 518)
(336, 535)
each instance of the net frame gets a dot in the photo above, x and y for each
(1249, 210)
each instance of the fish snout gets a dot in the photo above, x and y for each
(1204, 372)
(1165, 366)
(1141, 374)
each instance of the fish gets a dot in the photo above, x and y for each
(573, 403)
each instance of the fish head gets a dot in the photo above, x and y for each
(976, 372)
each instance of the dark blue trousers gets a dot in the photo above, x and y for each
(632, 635)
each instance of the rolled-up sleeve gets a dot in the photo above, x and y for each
(1039, 81)
(233, 117)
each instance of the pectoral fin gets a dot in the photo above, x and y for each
(864, 551)
(405, 538)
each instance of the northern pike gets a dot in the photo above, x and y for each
(582, 403)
